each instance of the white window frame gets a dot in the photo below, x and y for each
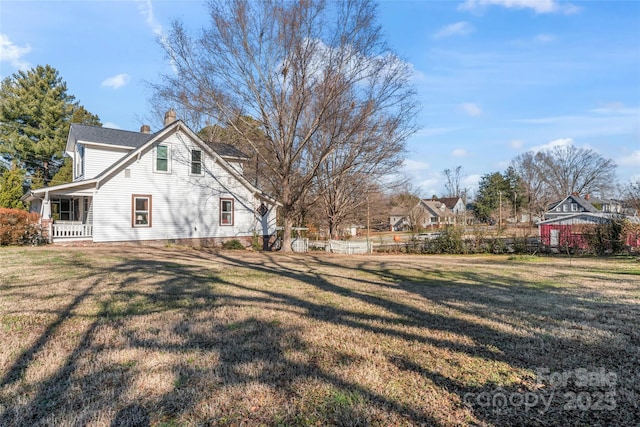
(136, 212)
(192, 163)
(155, 158)
(79, 160)
(228, 212)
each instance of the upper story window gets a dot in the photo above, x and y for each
(162, 159)
(196, 162)
(79, 160)
(565, 208)
(574, 207)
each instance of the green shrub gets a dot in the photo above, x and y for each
(232, 244)
(257, 242)
(19, 227)
(607, 237)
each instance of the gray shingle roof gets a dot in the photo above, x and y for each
(125, 138)
(226, 150)
(122, 138)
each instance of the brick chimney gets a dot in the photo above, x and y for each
(145, 129)
(587, 197)
(169, 117)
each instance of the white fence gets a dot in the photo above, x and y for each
(76, 231)
(348, 247)
(300, 245)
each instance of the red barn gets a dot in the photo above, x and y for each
(572, 230)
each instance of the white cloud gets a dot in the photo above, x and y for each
(117, 81)
(414, 165)
(544, 38)
(13, 54)
(538, 6)
(146, 10)
(561, 142)
(517, 144)
(458, 29)
(416, 75)
(471, 109)
(459, 152)
(471, 181)
(616, 108)
(630, 160)
(433, 131)
(111, 125)
(612, 106)
(429, 186)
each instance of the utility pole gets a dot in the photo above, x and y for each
(500, 210)
(515, 207)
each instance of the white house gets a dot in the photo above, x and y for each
(429, 213)
(166, 186)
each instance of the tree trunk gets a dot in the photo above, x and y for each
(332, 229)
(286, 233)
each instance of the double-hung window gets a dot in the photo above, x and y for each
(163, 159)
(226, 211)
(196, 162)
(79, 160)
(141, 210)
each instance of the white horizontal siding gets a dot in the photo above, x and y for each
(97, 159)
(183, 205)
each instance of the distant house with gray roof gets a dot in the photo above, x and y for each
(568, 221)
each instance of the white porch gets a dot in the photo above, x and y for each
(70, 231)
(69, 217)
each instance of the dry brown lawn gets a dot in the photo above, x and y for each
(138, 336)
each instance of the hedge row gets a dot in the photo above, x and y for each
(19, 227)
(452, 241)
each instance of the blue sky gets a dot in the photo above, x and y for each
(495, 78)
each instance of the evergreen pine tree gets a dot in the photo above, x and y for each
(35, 111)
(11, 189)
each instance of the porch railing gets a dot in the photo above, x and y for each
(61, 231)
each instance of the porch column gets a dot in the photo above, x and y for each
(46, 207)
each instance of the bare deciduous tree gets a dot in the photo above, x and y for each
(632, 194)
(533, 182)
(570, 169)
(553, 174)
(315, 75)
(452, 184)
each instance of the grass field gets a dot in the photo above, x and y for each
(137, 336)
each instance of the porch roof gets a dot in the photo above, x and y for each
(79, 188)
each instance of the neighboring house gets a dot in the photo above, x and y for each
(166, 186)
(429, 213)
(568, 221)
(399, 219)
(455, 204)
(437, 214)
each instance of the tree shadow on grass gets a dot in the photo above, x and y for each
(254, 354)
(488, 295)
(251, 352)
